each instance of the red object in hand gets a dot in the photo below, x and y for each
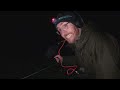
(59, 59)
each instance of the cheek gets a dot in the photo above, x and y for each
(72, 30)
(75, 33)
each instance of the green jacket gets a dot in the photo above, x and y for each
(98, 53)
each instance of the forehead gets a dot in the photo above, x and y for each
(61, 24)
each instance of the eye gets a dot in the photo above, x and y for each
(65, 25)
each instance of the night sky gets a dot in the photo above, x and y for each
(25, 37)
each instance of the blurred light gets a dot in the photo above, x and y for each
(53, 20)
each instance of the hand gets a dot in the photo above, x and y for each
(58, 58)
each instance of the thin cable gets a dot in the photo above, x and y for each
(37, 72)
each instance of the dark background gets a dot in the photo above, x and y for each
(25, 37)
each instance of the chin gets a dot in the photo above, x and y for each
(71, 42)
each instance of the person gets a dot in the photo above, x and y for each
(97, 52)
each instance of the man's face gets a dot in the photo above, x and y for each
(68, 31)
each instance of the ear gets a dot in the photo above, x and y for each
(79, 31)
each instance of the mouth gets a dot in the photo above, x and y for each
(68, 36)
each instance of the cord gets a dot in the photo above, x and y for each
(70, 69)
